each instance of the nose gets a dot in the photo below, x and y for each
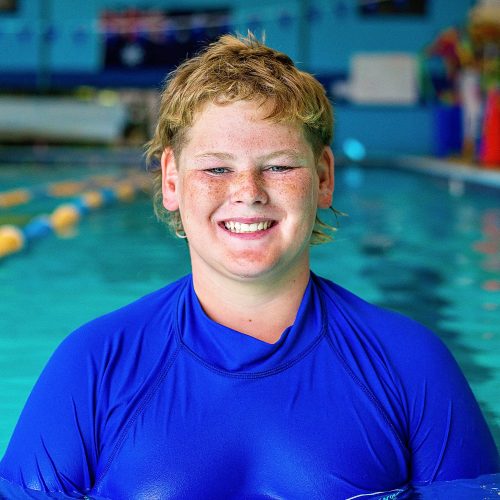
(249, 188)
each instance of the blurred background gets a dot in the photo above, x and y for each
(398, 71)
(415, 86)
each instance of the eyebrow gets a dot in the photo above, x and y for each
(215, 154)
(289, 153)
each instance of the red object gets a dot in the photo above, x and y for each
(490, 154)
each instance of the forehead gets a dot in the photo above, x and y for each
(242, 124)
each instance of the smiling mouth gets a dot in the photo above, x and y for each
(242, 227)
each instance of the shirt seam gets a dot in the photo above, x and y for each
(141, 407)
(360, 384)
(368, 393)
(254, 375)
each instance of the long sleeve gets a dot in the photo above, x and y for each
(88, 394)
(449, 437)
(418, 387)
(55, 443)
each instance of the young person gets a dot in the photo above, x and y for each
(252, 377)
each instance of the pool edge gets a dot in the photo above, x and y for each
(450, 169)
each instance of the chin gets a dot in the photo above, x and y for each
(249, 271)
(248, 274)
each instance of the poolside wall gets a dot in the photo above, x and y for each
(324, 44)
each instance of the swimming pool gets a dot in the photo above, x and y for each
(408, 243)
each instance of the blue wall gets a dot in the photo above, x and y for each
(335, 30)
(322, 42)
(70, 26)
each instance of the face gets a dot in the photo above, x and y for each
(247, 190)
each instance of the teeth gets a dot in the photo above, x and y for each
(241, 227)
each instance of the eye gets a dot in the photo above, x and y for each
(217, 170)
(278, 168)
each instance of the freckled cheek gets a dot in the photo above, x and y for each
(297, 192)
(200, 195)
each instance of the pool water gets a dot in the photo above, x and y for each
(407, 243)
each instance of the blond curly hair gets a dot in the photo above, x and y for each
(236, 68)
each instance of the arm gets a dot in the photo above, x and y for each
(422, 389)
(448, 436)
(54, 445)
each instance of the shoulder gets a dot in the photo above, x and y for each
(394, 333)
(387, 352)
(153, 312)
(138, 333)
(416, 383)
(115, 357)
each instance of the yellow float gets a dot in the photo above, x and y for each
(11, 240)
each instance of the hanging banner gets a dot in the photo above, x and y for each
(8, 6)
(392, 7)
(155, 38)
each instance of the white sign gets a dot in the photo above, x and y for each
(384, 78)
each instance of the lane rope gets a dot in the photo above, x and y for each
(60, 189)
(14, 239)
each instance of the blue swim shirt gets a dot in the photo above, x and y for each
(156, 400)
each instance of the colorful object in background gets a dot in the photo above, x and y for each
(447, 129)
(469, 82)
(447, 46)
(452, 51)
(14, 239)
(490, 150)
(466, 96)
(484, 31)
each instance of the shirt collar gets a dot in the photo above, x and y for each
(228, 350)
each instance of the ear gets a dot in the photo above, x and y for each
(169, 180)
(325, 170)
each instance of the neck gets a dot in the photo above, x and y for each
(261, 308)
